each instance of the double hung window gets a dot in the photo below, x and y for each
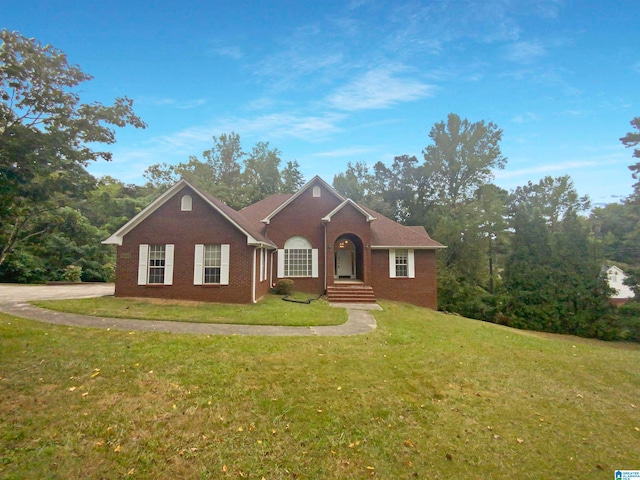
(211, 265)
(155, 264)
(401, 263)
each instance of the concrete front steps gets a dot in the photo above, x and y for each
(350, 293)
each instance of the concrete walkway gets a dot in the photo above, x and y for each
(14, 301)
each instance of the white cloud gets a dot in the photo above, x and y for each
(547, 169)
(172, 102)
(525, 117)
(229, 51)
(379, 88)
(525, 52)
(310, 128)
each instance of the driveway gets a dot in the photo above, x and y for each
(10, 292)
(14, 301)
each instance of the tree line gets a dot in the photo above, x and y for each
(529, 258)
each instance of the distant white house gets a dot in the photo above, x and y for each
(615, 278)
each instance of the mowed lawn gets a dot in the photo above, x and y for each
(271, 310)
(426, 395)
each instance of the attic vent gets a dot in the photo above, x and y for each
(186, 203)
(316, 192)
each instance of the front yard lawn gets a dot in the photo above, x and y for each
(271, 310)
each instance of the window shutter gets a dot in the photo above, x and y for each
(392, 263)
(280, 263)
(143, 262)
(168, 265)
(224, 264)
(198, 265)
(314, 263)
(411, 266)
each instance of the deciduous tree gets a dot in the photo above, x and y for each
(47, 135)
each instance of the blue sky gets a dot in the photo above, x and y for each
(327, 82)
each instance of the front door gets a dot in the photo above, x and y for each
(344, 264)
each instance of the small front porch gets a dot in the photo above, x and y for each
(348, 282)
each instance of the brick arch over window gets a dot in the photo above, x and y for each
(297, 259)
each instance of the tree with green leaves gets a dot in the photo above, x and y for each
(230, 174)
(553, 278)
(47, 136)
(553, 197)
(529, 290)
(630, 140)
(457, 165)
(261, 175)
(460, 160)
(292, 179)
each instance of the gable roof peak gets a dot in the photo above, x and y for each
(252, 232)
(309, 184)
(368, 216)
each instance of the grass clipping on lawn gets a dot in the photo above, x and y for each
(426, 395)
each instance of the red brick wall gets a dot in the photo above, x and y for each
(421, 290)
(302, 217)
(204, 225)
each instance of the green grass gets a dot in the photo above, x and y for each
(271, 310)
(426, 395)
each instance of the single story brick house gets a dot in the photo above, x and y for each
(189, 245)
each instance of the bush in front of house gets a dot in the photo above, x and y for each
(72, 273)
(284, 286)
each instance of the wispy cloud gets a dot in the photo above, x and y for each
(379, 88)
(525, 118)
(271, 126)
(298, 68)
(311, 128)
(547, 169)
(172, 102)
(525, 52)
(231, 52)
(223, 49)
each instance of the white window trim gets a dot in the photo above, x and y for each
(314, 265)
(143, 264)
(411, 264)
(263, 264)
(198, 265)
(186, 203)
